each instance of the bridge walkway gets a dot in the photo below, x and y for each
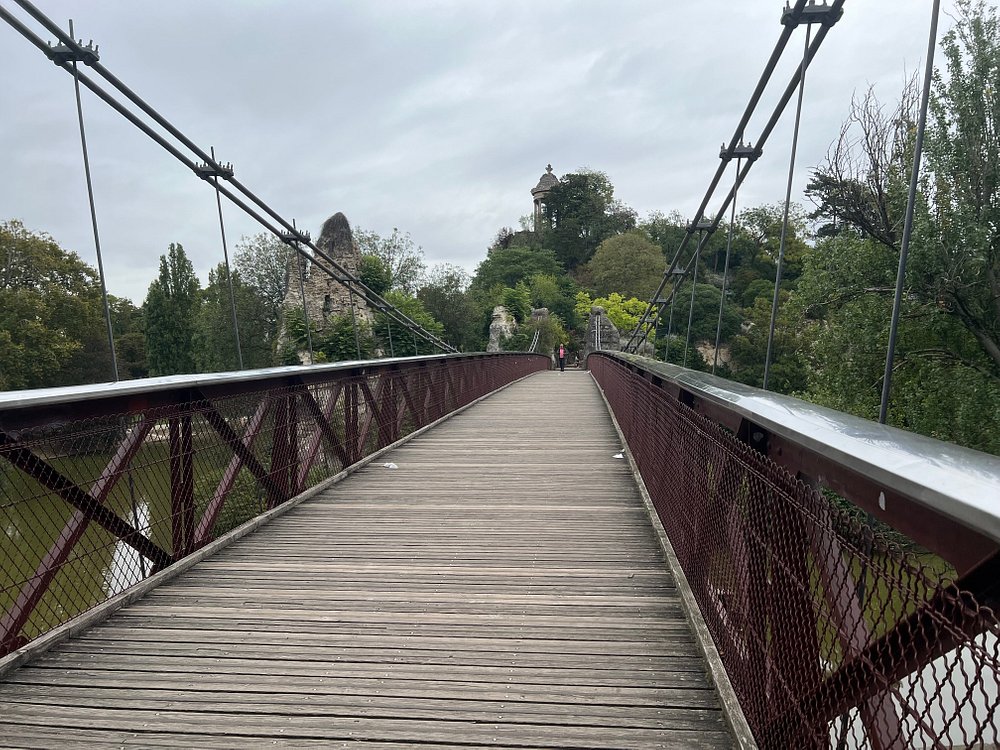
(501, 587)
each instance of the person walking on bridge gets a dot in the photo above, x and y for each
(562, 357)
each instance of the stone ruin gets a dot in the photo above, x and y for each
(325, 297)
(502, 328)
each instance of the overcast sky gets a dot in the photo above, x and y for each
(434, 116)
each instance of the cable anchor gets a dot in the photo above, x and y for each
(810, 14)
(61, 53)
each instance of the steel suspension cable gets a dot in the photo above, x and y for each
(229, 272)
(826, 16)
(93, 218)
(725, 272)
(343, 276)
(302, 292)
(788, 202)
(911, 201)
(694, 286)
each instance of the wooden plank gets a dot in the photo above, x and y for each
(502, 587)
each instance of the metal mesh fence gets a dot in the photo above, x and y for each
(834, 631)
(90, 507)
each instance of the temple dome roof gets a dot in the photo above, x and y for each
(546, 182)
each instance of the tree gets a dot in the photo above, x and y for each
(261, 264)
(214, 336)
(404, 342)
(445, 295)
(629, 264)
(170, 307)
(793, 338)
(52, 330)
(959, 268)
(128, 323)
(623, 312)
(504, 267)
(375, 274)
(583, 212)
(862, 186)
(403, 258)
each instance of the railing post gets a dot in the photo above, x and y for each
(182, 511)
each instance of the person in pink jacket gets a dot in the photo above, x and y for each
(562, 358)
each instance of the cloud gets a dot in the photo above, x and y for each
(435, 116)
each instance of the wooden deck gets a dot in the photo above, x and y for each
(502, 587)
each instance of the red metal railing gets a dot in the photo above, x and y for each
(102, 486)
(835, 629)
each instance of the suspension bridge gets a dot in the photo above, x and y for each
(472, 550)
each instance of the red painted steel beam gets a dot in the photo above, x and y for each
(182, 512)
(43, 473)
(35, 587)
(240, 450)
(324, 424)
(203, 533)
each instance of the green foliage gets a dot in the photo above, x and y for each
(629, 264)
(793, 339)
(403, 258)
(52, 330)
(403, 341)
(338, 342)
(261, 263)
(128, 324)
(624, 313)
(375, 274)
(214, 337)
(518, 302)
(959, 268)
(504, 267)
(583, 212)
(170, 307)
(446, 297)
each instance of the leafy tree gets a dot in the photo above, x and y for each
(445, 295)
(959, 268)
(170, 308)
(504, 267)
(261, 264)
(375, 274)
(214, 337)
(403, 258)
(52, 330)
(403, 341)
(557, 294)
(128, 323)
(337, 342)
(793, 338)
(517, 300)
(629, 264)
(583, 212)
(623, 312)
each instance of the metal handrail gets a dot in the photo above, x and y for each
(959, 482)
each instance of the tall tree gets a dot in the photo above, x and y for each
(583, 212)
(400, 254)
(261, 264)
(959, 266)
(629, 264)
(51, 326)
(171, 306)
(445, 295)
(129, 326)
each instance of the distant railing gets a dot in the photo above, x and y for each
(848, 571)
(100, 486)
